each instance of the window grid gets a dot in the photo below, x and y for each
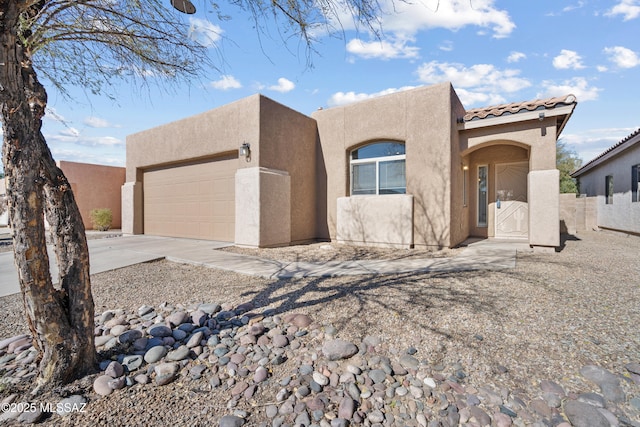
(377, 161)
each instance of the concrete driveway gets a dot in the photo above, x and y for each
(112, 253)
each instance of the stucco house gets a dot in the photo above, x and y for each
(94, 187)
(613, 180)
(409, 169)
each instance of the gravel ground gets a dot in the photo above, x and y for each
(544, 320)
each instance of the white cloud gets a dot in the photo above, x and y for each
(577, 86)
(446, 46)
(630, 9)
(602, 68)
(516, 57)
(477, 83)
(96, 122)
(405, 18)
(283, 86)
(382, 49)
(204, 32)
(226, 82)
(72, 136)
(344, 98)
(622, 57)
(568, 59)
(590, 143)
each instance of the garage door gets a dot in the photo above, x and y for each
(194, 200)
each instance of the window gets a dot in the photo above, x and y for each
(378, 168)
(635, 184)
(483, 197)
(465, 180)
(608, 189)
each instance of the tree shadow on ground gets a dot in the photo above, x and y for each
(361, 295)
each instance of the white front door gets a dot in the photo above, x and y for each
(512, 209)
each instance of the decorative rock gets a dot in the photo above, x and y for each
(377, 376)
(160, 331)
(631, 367)
(280, 341)
(195, 339)
(584, 415)
(114, 370)
(141, 379)
(346, 408)
(199, 317)
(178, 354)
(101, 385)
(132, 362)
(118, 330)
(260, 374)
(155, 354)
(102, 340)
(320, 379)
(117, 383)
(179, 334)
(551, 387)
(176, 318)
(31, 417)
(301, 320)
(128, 337)
(210, 308)
(409, 362)
(338, 349)
(231, 421)
(165, 373)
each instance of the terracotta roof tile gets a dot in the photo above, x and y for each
(516, 107)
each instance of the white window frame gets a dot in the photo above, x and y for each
(377, 161)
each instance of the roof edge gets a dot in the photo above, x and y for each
(627, 142)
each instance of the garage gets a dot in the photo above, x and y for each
(192, 200)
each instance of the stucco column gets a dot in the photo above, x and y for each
(132, 209)
(544, 209)
(263, 207)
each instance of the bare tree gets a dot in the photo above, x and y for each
(91, 43)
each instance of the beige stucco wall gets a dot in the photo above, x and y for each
(263, 213)
(385, 221)
(288, 143)
(423, 119)
(280, 139)
(568, 213)
(95, 187)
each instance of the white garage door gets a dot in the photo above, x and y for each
(195, 200)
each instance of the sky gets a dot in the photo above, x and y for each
(492, 51)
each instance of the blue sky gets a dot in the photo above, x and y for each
(493, 51)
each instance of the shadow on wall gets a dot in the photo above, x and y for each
(431, 227)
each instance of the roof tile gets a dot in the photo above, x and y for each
(516, 107)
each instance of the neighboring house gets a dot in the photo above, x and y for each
(410, 169)
(94, 187)
(613, 178)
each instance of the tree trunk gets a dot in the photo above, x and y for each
(60, 318)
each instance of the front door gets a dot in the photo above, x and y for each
(512, 209)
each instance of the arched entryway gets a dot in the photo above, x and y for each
(498, 199)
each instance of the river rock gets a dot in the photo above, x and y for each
(338, 349)
(584, 415)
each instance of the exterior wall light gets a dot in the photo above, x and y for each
(541, 116)
(245, 150)
(184, 6)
